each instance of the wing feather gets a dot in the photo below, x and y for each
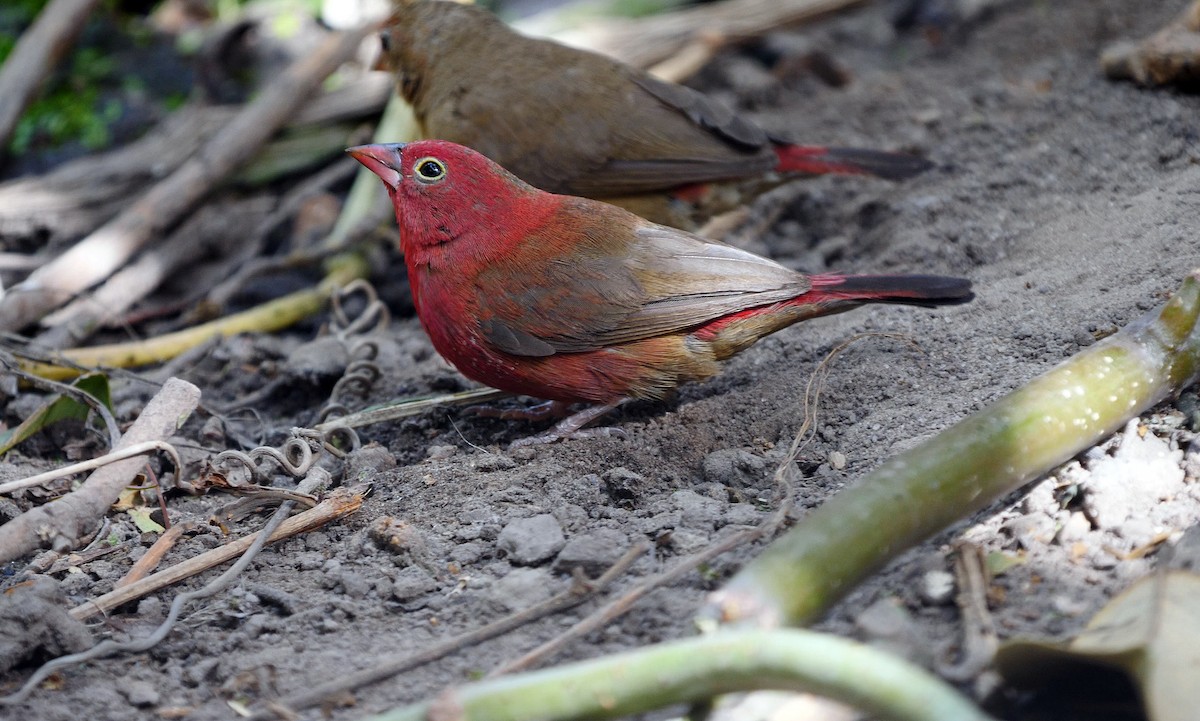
(663, 281)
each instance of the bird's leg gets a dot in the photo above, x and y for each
(541, 411)
(573, 426)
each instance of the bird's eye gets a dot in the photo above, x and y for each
(385, 40)
(429, 170)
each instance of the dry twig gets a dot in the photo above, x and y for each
(154, 555)
(215, 229)
(579, 592)
(105, 250)
(979, 630)
(118, 454)
(339, 503)
(62, 523)
(110, 647)
(647, 41)
(270, 316)
(76, 197)
(1169, 56)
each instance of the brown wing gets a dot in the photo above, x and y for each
(661, 281)
(565, 120)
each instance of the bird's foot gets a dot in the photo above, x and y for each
(541, 411)
(573, 427)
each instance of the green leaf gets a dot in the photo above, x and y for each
(60, 408)
(141, 519)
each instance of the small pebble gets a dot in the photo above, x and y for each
(594, 552)
(734, 467)
(521, 588)
(837, 459)
(622, 485)
(465, 554)
(684, 541)
(367, 462)
(528, 541)
(440, 453)
(937, 587)
(1076, 527)
(697, 511)
(141, 694)
(412, 581)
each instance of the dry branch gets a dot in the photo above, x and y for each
(214, 230)
(35, 55)
(152, 557)
(340, 503)
(110, 246)
(646, 41)
(265, 318)
(63, 522)
(77, 197)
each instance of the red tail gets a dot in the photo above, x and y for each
(923, 290)
(817, 160)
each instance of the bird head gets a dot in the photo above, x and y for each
(442, 192)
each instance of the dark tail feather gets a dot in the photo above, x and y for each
(816, 160)
(923, 290)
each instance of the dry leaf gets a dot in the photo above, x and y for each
(1151, 632)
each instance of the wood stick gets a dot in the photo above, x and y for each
(151, 558)
(646, 41)
(97, 256)
(211, 230)
(35, 55)
(76, 197)
(340, 503)
(62, 523)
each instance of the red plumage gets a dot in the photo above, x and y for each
(575, 300)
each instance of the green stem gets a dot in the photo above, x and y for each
(967, 466)
(724, 662)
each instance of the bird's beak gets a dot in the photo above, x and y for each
(382, 159)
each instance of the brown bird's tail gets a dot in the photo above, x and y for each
(818, 160)
(923, 290)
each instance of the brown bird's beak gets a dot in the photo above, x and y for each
(382, 159)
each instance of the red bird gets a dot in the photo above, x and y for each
(574, 300)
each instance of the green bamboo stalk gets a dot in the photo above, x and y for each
(612, 686)
(967, 466)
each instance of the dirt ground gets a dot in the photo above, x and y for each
(1069, 200)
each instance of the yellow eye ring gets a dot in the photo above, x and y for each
(429, 170)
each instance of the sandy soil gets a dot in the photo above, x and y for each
(1070, 201)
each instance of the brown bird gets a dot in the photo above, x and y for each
(576, 122)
